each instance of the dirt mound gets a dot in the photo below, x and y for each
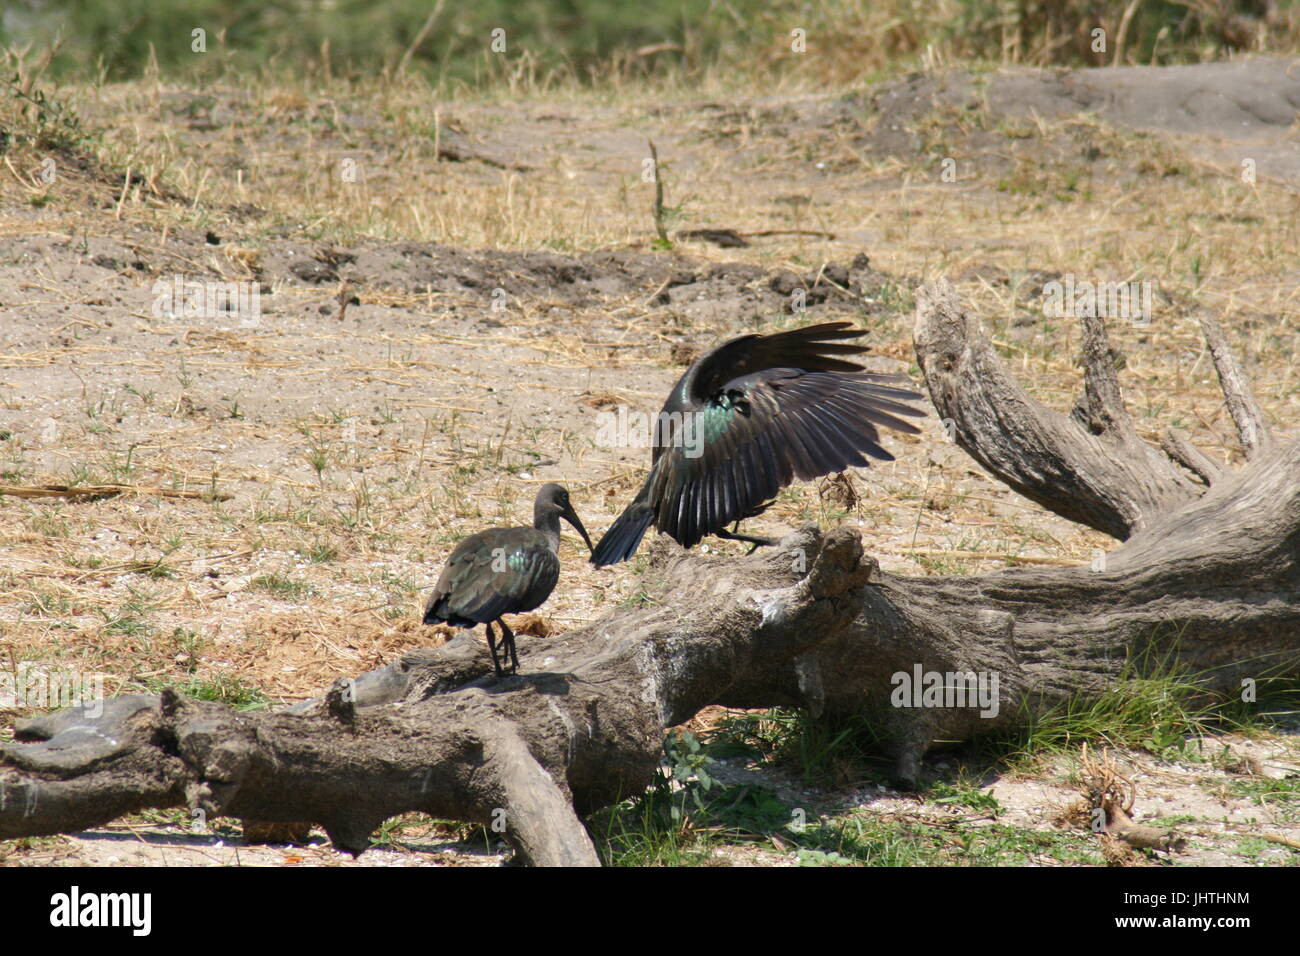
(579, 280)
(1213, 109)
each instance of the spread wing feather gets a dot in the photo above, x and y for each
(768, 428)
(770, 408)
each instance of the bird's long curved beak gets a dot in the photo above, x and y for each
(571, 516)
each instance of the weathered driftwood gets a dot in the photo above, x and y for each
(1208, 578)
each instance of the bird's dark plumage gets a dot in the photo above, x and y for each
(497, 571)
(765, 409)
(504, 571)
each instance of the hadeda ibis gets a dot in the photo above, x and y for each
(504, 571)
(747, 419)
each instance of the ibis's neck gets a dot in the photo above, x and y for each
(548, 523)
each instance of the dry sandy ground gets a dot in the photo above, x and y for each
(357, 444)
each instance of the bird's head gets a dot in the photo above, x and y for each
(553, 499)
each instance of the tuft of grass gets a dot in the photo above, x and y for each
(827, 751)
(671, 824)
(638, 598)
(321, 553)
(45, 603)
(639, 833)
(963, 793)
(687, 818)
(282, 586)
(220, 688)
(131, 617)
(36, 119)
(1281, 796)
(1165, 712)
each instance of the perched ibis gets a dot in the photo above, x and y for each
(747, 419)
(504, 571)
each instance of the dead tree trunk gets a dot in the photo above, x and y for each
(1208, 575)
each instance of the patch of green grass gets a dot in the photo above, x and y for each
(1157, 708)
(947, 565)
(282, 586)
(188, 643)
(1252, 848)
(47, 604)
(1157, 715)
(1173, 820)
(860, 840)
(47, 124)
(826, 751)
(637, 599)
(131, 617)
(1000, 845)
(29, 843)
(683, 815)
(399, 584)
(52, 525)
(318, 457)
(120, 469)
(857, 838)
(156, 570)
(1281, 796)
(221, 688)
(686, 817)
(633, 836)
(320, 553)
(963, 794)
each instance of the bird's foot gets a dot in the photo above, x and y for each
(748, 539)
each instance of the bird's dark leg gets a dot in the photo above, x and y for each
(508, 643)
(748, 539)
(492, 646)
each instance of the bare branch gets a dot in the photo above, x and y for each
(537, 810)
(1101, 409)
(1105, 478)
(1179, 448)
(1252, 427)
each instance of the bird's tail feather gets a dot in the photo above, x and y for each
(624, 535)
